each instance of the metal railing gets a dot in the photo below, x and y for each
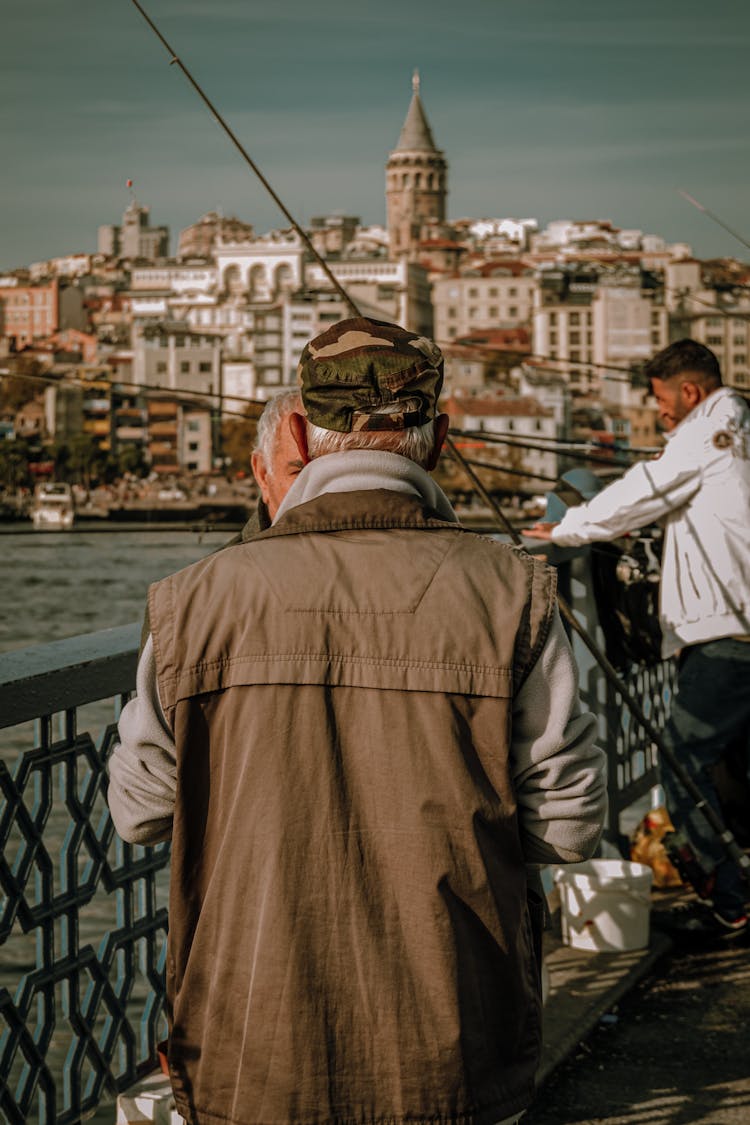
(632, 763)
(83, 915)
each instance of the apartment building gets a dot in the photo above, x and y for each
(563, 323)
(630, 324)
(28, 312)
(529, 427)
(598, 324)
(170, 355)
(713, 307)
(484, 295)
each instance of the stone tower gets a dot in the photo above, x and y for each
(416, 178)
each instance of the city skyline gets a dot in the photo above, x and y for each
(583, 114)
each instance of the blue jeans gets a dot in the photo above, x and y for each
(711, 712)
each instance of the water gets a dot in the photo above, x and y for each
(60, 584)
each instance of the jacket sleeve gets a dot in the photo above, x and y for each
(644, 494)
(558, 772)
(143, 765)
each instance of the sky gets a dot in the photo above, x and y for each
(549, 109)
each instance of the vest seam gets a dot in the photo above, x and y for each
(161, 659)
(388, 662)
(546, 623)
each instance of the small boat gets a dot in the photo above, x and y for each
(52, 508)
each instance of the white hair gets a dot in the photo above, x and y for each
(415, 442)
(274, 413)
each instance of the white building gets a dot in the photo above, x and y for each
(529, 426)
(494, 294)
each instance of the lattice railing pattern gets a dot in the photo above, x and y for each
(83, 926)
(633, 759)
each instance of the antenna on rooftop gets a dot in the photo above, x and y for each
(715, 218)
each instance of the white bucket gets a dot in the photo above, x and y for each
(605, 904)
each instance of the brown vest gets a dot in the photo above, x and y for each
(349, 937)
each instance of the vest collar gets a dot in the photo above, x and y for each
(370, 509)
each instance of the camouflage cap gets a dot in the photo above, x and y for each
(363, 374)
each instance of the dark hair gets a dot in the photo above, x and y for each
(685, 357)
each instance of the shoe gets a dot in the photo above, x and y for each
(701, 920)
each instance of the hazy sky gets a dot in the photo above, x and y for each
(544, 108)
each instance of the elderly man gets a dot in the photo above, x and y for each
(275, 459)
(358, 728)
(700, 488)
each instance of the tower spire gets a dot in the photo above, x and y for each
(416, 134)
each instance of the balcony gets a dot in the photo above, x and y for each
(163, 429)
(83, 915)
(162, 410)
(131, 433)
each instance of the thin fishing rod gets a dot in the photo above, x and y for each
(714, 218)
(561, 445)
(496, 467)
(248, 160)
(181, 395)
(733, 849)
(497, 439)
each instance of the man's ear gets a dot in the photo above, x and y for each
(260, 472)
(441, 432)
(692, 394)
(298, 430)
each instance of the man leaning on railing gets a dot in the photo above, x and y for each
(700, 487)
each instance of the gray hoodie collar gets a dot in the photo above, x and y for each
(358, 470)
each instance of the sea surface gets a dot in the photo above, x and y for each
(56, 584)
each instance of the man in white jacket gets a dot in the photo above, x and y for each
(699, 487)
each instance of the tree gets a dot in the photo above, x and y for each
(87, 460)
(130, 459)
(14, 463)
(60, 454)
(238, 438)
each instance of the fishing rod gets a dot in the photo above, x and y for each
(181, 395)
(174, 59)
(684, 777)
(573, 455)
(714, 218)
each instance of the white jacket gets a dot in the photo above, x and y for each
(700, 487)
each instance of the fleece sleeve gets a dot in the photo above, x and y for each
(143, 766)
(558, 772)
